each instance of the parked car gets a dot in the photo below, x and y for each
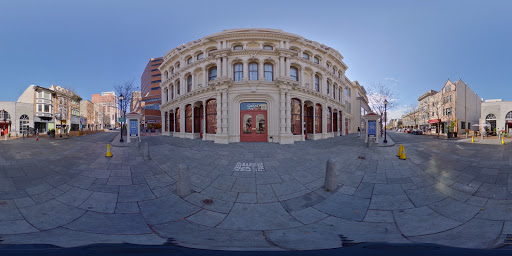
(417, 132)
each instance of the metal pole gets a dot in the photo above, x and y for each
(385, 123)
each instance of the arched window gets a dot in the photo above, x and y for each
(239, 72)
(238, 47)
(269, 72)
(253, 71)
(490, 117)
(188, 118)
(329, 119)
(177, 119)
(24, 123)
(210, 51)
(171, 122)
(268, 47)
(211, 116)
(189, 60)
(166, 123)
(317, 83)
(296, 117)
(189, 83)
(166, 74)
(200, 56)
(178, 88)
(334, 92)
(509, 115)
(172, 92)
(316, 60)
(294, 73)
(166, 92)
(172, 71)
(318, 118)
(327, 86)
(212, 73)
(305, 56)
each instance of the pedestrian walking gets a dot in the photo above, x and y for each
(358, 132)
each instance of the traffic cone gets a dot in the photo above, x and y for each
(37, 138)
(472, 138)
(399, 151)
(402, 156)
(109, 154)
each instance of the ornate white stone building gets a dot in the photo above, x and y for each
(256, 85)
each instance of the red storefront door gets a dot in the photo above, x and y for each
(253, 125)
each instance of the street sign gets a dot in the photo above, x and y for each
(121, 119)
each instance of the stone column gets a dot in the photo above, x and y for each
(219, 113)
(314, 118)
(225, 66)
(219, 68)
(287, 66)
(225, 112)
(342, 124)
(204, 120)
(245, 70)
(261, 70)
(324, 119)
(283, 113)
(205, 76)
(302, 123)
(182, 119)
(193, 119)
(288, 113)
(281, 66)
(302, 81)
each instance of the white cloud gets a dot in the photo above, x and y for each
(397, 112)
(391, 79)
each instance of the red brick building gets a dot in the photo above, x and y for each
(151, 94)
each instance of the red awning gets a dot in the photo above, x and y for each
(434, 121)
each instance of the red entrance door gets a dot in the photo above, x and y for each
(346, 127)
(253, 125)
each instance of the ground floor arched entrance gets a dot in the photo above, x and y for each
(253, 122)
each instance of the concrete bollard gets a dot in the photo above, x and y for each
(137, 143)
(146, 151)
(184, 187)
(331, 182)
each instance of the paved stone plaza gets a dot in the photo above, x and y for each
(265, 196)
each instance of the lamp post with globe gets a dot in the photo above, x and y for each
(385, 120)
(121, 100)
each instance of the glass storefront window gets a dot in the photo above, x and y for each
(247, 123)
(211, 116)
(260, 122)
(296, 117)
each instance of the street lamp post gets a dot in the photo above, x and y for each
(385, 120)
(121, 100)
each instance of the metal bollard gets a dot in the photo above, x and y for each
(331, 181)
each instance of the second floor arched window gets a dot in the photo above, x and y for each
(327, 87)
(212, 73)
(189, 83)
(317, 83)
(269, 72)
(294, 73)
(239, 72)
(253, 71)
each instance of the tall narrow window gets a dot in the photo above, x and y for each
(239, 72)
(189, 60)
(316, 60)
(200, 56)
(253, 71)
(189, 83)
(172, 92)
(296, 117)
(177, 120)
(212, 74)
(317, 83)
(318, 118)
(188, 118)
(327, 87)
(329, 119)
(211, 116)
(178, 88)
(333, 93)
(269, 72)
(294, 73)
(305, 56)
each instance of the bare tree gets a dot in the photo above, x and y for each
(436, 106)
(377, 94)
(126, 90)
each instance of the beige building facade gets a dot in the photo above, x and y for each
(256, 85)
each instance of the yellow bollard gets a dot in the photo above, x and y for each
(109, 154)
(503, 140)
(402, 156)
(472, 138)
(399, 151)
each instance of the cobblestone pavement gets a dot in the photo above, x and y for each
(265, 196)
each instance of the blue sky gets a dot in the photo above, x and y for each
(412, 46)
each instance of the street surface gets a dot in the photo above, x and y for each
(263, 196)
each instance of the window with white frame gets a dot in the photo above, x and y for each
(253, 71)
(269, 72)
(294, 73)
(238, 72)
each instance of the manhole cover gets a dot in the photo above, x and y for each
(360, 157)
(207, 201)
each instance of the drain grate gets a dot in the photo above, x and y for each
(207, 201)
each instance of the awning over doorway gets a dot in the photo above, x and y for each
(434, 121)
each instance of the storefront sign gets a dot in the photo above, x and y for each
(253, 106)
(372, 128)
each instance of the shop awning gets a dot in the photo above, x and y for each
(434, 121)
